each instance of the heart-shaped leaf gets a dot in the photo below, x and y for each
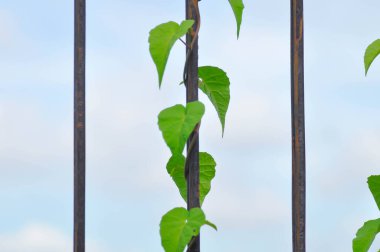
(176, 169)
(176, 124)
(178, 226)
(161, 41)
(373, 50)
(207, 166)
(237, 7)
(366, 235)
(215, 83)
(374, 186)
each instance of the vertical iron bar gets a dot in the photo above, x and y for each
(79, 126)
(192, 95)
(298, 127)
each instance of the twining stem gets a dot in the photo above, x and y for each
(183, 42)
(191, 147)
(195, 38)
(190, 244)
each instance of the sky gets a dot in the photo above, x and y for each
(128, 189)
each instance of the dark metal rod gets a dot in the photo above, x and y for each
(79, 126)
(298, 127)
(192, 95)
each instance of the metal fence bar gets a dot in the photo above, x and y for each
(298, 127)
(79, 126)
(192, 12)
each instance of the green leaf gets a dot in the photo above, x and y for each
(178, 226)
(176, 169)
(161, 41)
(366, 235)
(208, 223)
(215, 84)
(374, 187)
(371, 53)
(237, 7)
(176, 124)
(206, 174)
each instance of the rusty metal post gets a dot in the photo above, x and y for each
(298, 127)
(192, 12)
(79, 125)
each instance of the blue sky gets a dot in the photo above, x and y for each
(127, 186)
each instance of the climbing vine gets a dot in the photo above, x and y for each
(367, 233)
(179, 226)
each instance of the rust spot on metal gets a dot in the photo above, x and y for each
(80, 125)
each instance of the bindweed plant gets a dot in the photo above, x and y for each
(179, 226)
(367, 233)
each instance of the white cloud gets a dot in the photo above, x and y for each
(39, 238)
